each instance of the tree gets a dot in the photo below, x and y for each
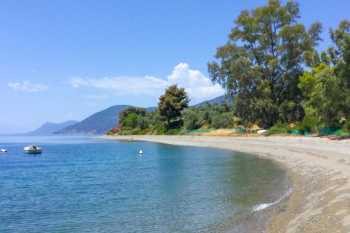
(261, 63)
(191, 119)
(340, 53)
(222, 120)
(171, 104)
(327, 87)
(339, 57)
(323, 100)
(132, 118)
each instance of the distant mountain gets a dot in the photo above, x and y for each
(151, 109)
(50, 128)
(96, 124)
(218, 100)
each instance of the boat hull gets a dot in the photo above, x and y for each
(33, 152)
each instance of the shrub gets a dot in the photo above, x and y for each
(346, 125)
(342, 133)
(191, 120)
(310, 124)
(223, 120)
(279, 128)
(159, 129)
(173, 131)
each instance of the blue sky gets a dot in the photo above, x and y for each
(63, 60)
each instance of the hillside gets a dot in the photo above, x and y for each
(217, 100)
(97, 123)
(50, 128)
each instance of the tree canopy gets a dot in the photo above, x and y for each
(132, 117)
(171, 105)
(323, 101)
(262, 61)
(326, 88)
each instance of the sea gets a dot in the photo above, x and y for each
(86, 184)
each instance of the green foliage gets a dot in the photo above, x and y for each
(339, 55)
(309, 124)
(132, 118)
(209, 116)
(223, 120)
(262, 61)
(171, 105)
(324, 99)
(173, 131)
(346, 125)
(326, 88)
(191, 119)
(342, 133)
(279, 128)
(166, 120)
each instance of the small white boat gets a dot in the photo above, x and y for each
(140, 152)
(32, 149)
(3, 150)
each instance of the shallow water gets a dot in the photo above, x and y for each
(93, 185)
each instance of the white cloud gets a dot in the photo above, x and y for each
(197, 85)
(27, 86)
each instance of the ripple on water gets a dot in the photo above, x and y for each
(89, 185)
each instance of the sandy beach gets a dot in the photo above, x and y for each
(319, 170)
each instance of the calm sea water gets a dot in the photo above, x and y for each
(94, 185)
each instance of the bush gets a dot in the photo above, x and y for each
(278, 128)
(191, 120)
(223, 120)
(309, 124)
(346, 125)
(159, 129)
(173, 131)
(342, 133)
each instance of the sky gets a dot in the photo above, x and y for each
(64, 60)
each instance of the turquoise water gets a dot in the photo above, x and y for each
(94, 185)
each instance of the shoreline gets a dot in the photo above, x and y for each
(319, 170)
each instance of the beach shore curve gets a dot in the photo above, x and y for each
(319, 170)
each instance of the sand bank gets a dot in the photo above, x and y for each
(319, 170)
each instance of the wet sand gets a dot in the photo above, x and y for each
(319, 170)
